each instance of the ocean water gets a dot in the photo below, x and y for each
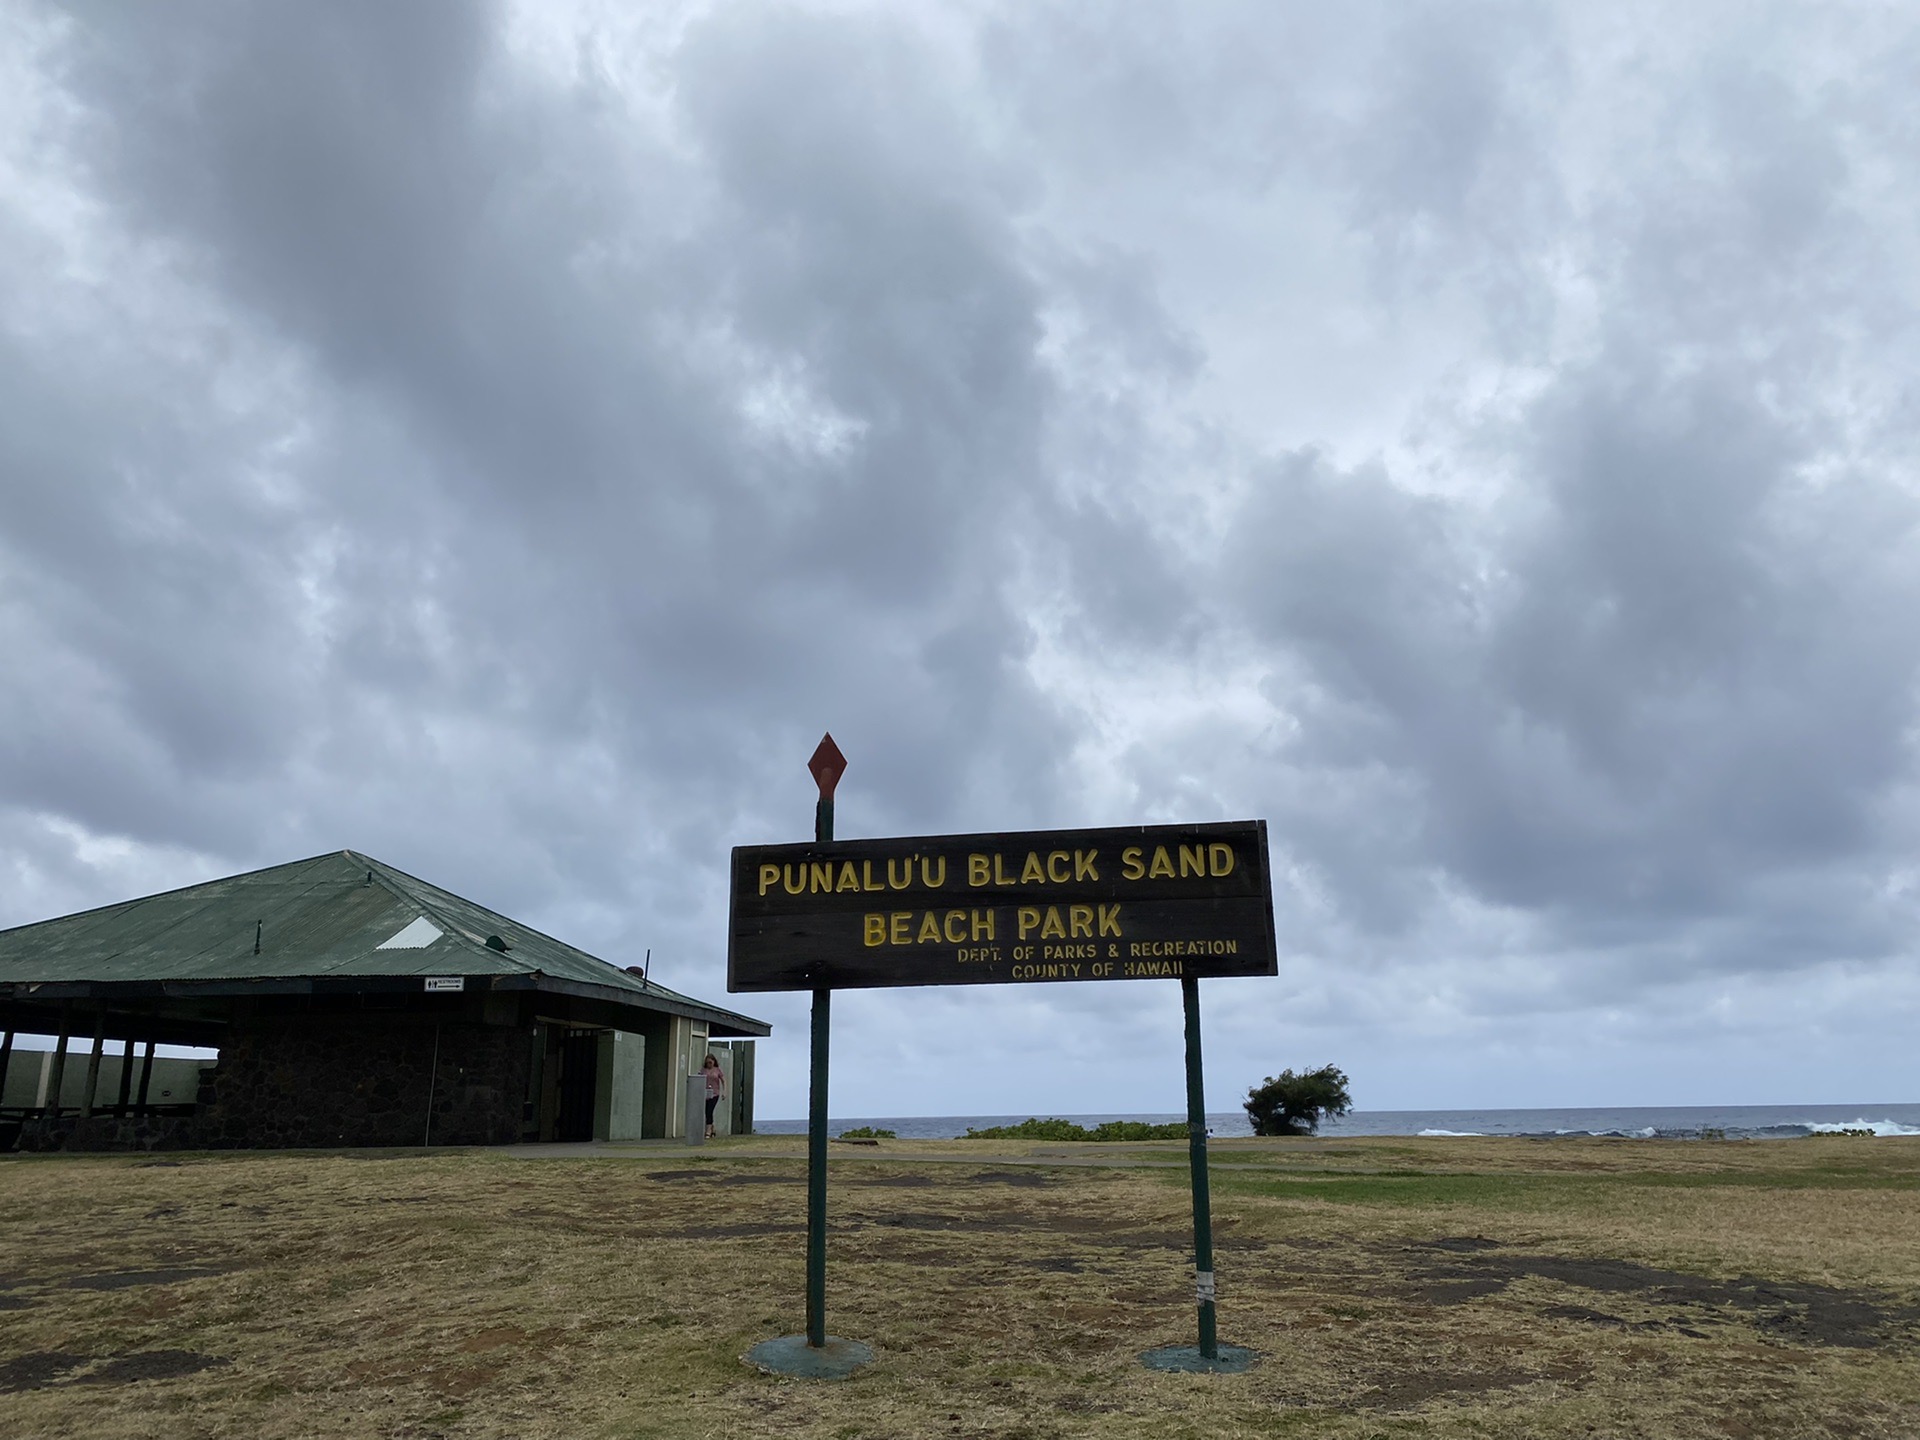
(1663, 1122)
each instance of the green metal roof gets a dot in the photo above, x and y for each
(334, 916)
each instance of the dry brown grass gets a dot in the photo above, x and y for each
(1394, 1288)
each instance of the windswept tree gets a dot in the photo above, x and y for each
(1290, 1104)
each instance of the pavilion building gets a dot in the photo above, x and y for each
(351, 1004)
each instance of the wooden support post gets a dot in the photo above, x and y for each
(6, 1059)
(93, 1063)
(146, 1076)
(433, 1076)
(126, 1079)
(536, 1072)
(54, 1081)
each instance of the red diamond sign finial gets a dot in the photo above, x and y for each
(827, 765)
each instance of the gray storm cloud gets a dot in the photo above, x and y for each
(1481, 443)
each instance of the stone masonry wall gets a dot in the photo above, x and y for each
(107, 1132)
(362, 1080)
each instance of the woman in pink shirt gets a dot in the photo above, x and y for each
(716, 1079)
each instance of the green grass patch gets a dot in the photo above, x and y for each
(1411, 1191)
(1498, 1189)
(1771, 1180)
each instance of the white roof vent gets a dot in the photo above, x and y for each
(418, 935)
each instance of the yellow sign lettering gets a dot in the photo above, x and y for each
(1131, 865)
(933, 927)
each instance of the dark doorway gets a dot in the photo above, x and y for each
(579, 1078)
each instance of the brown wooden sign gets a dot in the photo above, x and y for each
(1135, 903)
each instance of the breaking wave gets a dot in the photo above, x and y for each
(1878, 1127)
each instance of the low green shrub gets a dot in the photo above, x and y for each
(1068, 1130)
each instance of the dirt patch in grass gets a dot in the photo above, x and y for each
(921, 1220)
(1408, 1392)
(734, 1232)
(1810, 1314)
(909, 1250)
(150, 1365)
(1463, 1244)
(493, 1339)
(40, 1368)
(128, 1279)
(726, 1175)
(1582, 1314)
(36, 1368)
(1456, 1292)
(1022, 1179)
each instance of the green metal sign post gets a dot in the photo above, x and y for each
(1197, 1164)
(817, 1355)
(817, 1173)
(1209, 1354)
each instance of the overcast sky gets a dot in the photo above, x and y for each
(1478, 439)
